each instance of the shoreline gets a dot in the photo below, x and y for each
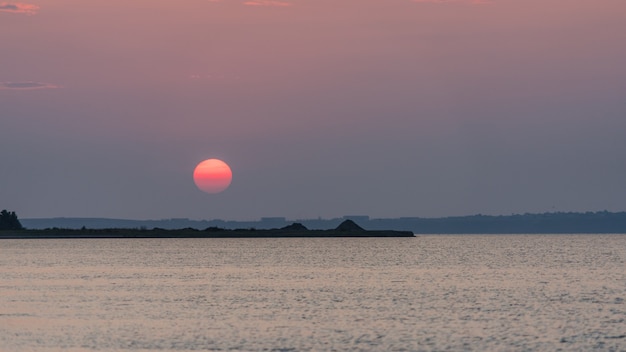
(193, 233)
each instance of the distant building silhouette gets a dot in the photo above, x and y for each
(589, 222)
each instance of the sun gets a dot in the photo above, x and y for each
(212, 176)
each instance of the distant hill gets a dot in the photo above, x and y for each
(589, 222)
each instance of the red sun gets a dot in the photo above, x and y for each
(212, 176)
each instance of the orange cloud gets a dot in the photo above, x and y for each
(18, 7)
(267, 3)
(26, 85)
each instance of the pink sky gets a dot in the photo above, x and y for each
(322, 108)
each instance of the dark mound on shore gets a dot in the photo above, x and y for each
(349, 225)
(296, 226)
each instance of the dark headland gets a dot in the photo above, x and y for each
(348, 228)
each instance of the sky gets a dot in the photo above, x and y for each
(322, 108)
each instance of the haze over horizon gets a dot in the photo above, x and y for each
(386, 108)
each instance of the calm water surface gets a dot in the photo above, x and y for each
(430, 293)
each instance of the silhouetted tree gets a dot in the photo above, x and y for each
(9, 221)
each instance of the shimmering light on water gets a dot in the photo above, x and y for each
(502, 292)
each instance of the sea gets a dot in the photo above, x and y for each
(428, 293)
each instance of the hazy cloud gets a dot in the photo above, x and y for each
(267, 3)
(473, 2)
(18, 7)
(27, 85)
